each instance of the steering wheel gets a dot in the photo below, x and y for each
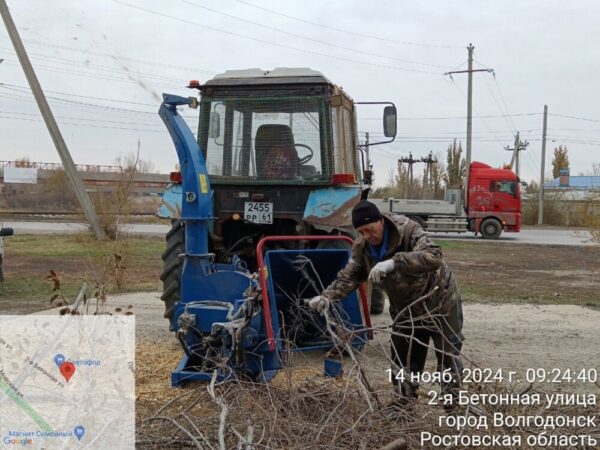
(306, 158)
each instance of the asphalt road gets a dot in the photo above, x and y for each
(550, 236)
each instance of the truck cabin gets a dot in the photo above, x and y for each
(489, 185)
(285, 126)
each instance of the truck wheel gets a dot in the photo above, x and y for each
(172, 264)
(490, 229)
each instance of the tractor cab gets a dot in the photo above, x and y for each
(285, 126)
(282, 155)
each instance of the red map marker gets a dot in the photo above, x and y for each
(67, 369)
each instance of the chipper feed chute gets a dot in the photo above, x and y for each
(246, 336)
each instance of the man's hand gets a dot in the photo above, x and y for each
(319, 303)
(381, 269)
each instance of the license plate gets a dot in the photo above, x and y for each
(258, 212)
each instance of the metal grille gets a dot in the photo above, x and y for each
(268, 139)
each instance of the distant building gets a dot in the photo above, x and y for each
(575, 187)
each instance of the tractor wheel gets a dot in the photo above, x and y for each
(490, 229)
(172, 264)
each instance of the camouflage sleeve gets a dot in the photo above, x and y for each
(422, 255)
(348, 278)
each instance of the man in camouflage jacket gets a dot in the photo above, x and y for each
(424, 300)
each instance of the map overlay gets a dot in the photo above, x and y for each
(67, 382)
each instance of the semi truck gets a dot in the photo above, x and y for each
(493, 205)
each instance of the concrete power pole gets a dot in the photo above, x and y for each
(516, 159)
(61, 146)
(470, 72)
(469, 116)
(543, 169)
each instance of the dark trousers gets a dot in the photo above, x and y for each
(410, 342)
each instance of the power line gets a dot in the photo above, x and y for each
(83, 124)
(511, 124)
(264, 41)
(353, 33)
(66, 71)
(299, 36)
(85, 96)
(490, 116)
(97, 109)
(114, 57)
(574, 117)
(483, 121)
(100, 67)
(83, 119)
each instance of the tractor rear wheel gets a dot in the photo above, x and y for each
(172, 264)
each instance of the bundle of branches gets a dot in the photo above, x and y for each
(303, 409)
(327, 413)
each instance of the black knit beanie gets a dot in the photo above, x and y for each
(364, 213)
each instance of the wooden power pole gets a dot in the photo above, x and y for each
(59, 142)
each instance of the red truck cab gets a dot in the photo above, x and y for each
(493, 201)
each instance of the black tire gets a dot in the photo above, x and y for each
(172, 264)
(490, 229)
(1, 270)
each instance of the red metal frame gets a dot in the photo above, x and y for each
(263, 279)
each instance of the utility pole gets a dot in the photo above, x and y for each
(519, 147)
(368, 169)
(469, 113)
(470, 71)
(367, 149)
(542, 174)
(61, 146)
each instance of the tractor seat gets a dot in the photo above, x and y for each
(276, 155)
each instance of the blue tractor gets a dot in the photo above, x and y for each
(260, 210)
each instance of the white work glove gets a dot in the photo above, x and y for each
(381, 269)
(319, 303)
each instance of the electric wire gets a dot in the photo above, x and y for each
(299, 36)
(354, 33)
(275, 44)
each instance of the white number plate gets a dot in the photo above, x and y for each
(258, 212)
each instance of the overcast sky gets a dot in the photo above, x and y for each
(104, 64)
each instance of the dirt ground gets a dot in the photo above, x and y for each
(522, 273)
(486, 272)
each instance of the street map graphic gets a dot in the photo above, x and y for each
(67, 382)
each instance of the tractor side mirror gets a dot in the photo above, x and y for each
(214, 125)
(6, 232)
(389, 121)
